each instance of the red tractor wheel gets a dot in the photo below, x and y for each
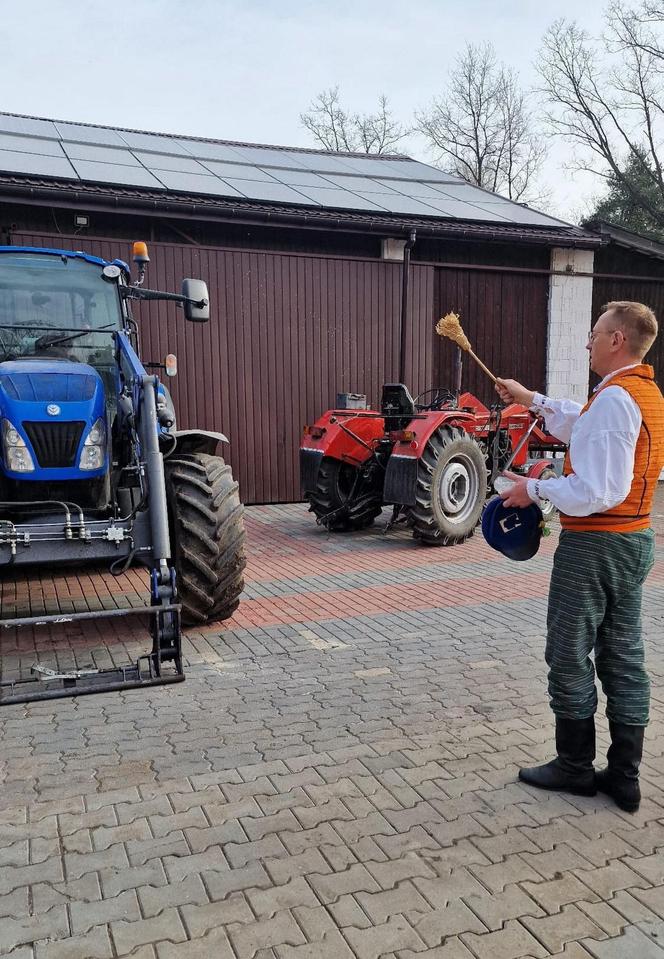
(451, 489)
(340, 502)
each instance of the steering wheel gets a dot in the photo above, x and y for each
(52, 352)
(441, 397)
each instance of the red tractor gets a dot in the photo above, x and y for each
(434, 459)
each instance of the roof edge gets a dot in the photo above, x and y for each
(627, 238)
(192, 206)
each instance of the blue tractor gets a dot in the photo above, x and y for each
(92, 466)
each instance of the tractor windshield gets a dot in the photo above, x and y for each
(56, 306)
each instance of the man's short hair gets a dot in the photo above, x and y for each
(638, 323)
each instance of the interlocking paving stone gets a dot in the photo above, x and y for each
(51, 924)
(453, 948)
(633, 942)
(279, 930)
(93, 945)
(652, 898)
(154, 899)
(569, 925)
(128, 935)
(392, 936)
(85, 915)
(513, 941)
(215, 944)
(555, 893)
(603, 915)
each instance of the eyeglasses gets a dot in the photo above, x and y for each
(594, 333)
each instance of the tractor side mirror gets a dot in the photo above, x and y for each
(197, 302)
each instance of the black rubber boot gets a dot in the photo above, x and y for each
(572, 769)
(620, 779)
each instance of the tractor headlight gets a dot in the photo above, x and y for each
(16, 453)
(94, 447)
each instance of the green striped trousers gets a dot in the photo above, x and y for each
(595, 607)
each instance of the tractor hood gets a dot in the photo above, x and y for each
(47, 381)
(53, 404)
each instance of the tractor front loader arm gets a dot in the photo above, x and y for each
(165, 624)
(154, 471)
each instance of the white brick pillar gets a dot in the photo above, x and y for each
(570, 318)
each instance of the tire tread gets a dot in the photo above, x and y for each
(207, 525)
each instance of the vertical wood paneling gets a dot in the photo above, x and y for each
(617, 260)
(504, 315)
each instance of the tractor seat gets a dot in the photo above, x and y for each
(396, 401)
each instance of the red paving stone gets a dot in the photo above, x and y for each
(370, 550)
(400, 598)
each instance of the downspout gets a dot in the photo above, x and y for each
(410, 243)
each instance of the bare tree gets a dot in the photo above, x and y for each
(481, 127)
(606, 97)
(337, 130)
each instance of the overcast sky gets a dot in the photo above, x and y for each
(245, 70)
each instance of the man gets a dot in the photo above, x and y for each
(606, 549)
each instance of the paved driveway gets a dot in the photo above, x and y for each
(336, 778)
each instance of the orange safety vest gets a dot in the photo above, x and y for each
(634, 512)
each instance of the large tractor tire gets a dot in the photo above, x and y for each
(336, 482)
(451, 489)
(207, 534)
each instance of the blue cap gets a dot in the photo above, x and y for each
(514, 531)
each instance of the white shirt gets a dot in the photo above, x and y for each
(602, 444)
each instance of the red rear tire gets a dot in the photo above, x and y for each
(333, 488)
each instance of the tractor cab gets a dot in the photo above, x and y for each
(57, 305)
(58, 376)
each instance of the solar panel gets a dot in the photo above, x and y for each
(152, 142)
(193, 183)
(259, 190)
(237, 170)
(264, 156)
(33, 164)
(100, 136)
(397, 203)
(84, 151)
(9, 141)
(399, 169)
(319, 162)
(413, 169)
(114, 173)
(465, 191)
(51, 148)
(458, 210)
(357, 184)
(519, 214)
(413, 188)
(159, 161)
(534, 217)
(209, 151)
(27, 126)
(299, 178)
(340, 199)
